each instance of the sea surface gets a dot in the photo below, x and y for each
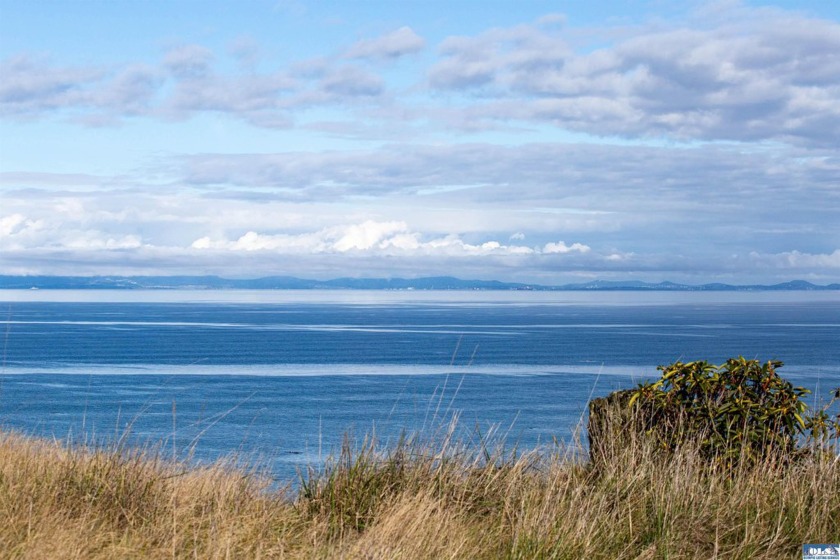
(282, 377)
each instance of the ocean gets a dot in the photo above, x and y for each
(281, 378)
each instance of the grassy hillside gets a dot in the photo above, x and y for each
(415, 501)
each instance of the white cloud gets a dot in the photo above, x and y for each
(392, 45)
(11, 225)
(562, 248)
(20, 233)
(485, 59)
(615, 200)
(253, 241)
(799, 260)
(95, 240)
(450, 158)
(366, 235)
(31, 86)
(738, 80)
(189, 61)
(132, 90)
(377, 238)
(762, 75)
(352, 81)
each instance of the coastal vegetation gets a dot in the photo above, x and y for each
(708, 462)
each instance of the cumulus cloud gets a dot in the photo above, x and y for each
(381, 238)
(352, 81)
(762, 75)
(28, 243)
(186, 82)
(189, 61)
(243, 97)
(738, 81)
(131, 92)
(31, 86)
(21, 233)
(606, 206)
(634, 202)
(16, 224)
(392, 45)
(370, 233)
(95, 240)
(469, 62)
(102, 241)
(798, 259)
(562, 248)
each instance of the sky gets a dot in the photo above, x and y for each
(529, 141)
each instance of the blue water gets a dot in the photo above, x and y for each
(282, 377)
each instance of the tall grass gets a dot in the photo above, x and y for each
(415, 500)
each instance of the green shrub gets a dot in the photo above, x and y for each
(738, 411)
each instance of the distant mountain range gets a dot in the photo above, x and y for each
(293, 283)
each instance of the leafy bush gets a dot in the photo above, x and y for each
(738, 411)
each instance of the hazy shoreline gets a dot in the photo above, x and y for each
(433, 283)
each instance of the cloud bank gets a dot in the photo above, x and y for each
(697, 148)
(760, 75)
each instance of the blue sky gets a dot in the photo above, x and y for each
(531, 141)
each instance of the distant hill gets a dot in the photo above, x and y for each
(794, 285)
(429, 283)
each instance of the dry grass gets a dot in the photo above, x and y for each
(414, 501)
